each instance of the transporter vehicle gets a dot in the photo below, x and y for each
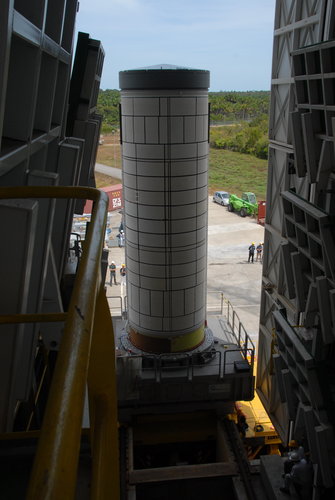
(141, 404)
(221, 197)
(244, 205)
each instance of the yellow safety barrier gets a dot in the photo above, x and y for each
(54, 472)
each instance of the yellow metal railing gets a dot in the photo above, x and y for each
(86, 358)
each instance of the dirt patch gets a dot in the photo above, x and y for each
(109, 152)
(103, 180)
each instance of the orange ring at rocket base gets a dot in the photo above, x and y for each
(180, 343)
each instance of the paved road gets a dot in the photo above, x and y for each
(112, 171)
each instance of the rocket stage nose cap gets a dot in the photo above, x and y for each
(164, 76)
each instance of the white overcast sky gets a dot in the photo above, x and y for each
(230, 38)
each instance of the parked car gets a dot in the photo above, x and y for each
(221, 197)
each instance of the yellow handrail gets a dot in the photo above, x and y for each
(55, 467)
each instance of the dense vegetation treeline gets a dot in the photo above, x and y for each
(108, 107)
(245, 112)
(236, 106)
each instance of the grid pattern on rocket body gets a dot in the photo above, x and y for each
(165, 151)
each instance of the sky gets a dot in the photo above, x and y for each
(231, 38)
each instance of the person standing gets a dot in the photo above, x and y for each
(262, 250)
(123, 273)
(251, 252)
(259, 249)
(120, 237)
(298, 472)
(112, 270)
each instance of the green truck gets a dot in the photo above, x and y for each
(246, 205)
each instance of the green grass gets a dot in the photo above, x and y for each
(237, 172)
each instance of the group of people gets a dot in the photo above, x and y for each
(112, 272)
(298, 474)
(117, 275)
(258, 250)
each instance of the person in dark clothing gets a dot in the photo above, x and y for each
(112, 270)
(298, 474)
(251, 252)
(242, 424)
(292, 459)
(123, 271)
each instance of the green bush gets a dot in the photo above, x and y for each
(247, 137)
(262, 147)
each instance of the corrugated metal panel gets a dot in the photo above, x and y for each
(297, 24)
(297, 323)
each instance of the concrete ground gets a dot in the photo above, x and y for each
(229, 272)
(229, 237)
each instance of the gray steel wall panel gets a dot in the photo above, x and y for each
(297, 270)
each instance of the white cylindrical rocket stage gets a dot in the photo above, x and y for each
(165, 141)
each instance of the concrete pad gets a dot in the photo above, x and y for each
(229, 237)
